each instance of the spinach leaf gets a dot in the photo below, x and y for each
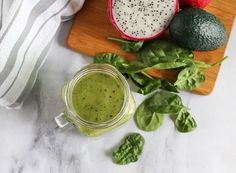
(130, 150)
(165, 102)
(202, 64)
(140, 79)
(185, 122)
(113, 59)
(145, 83)
(163, 51)
(147, 120)
(136, 67)
(166, 85)
(168, 65)
(190, 78)
(128, 46)
(150, 55)
(151, 86)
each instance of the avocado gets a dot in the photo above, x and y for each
(196, 29)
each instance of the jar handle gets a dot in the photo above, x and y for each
(61, 121)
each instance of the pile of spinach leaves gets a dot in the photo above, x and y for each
(161, 55)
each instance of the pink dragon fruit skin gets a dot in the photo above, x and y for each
(194, 3)
(162, 29)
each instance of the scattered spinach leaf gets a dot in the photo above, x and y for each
(166, 85)
(113, 59)
(147, 120)
(168, 65)
(140, 79)
(185, 122)
(130, 150)
(136, 67)
(165, 102)
(145, 83)
(128, 46)
(202, 64)
(151, 86)
(190, 78)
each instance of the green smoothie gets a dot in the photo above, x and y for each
(98, 97)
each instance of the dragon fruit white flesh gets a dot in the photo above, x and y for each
(142, 19)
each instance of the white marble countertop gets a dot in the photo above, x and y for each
(31, 144)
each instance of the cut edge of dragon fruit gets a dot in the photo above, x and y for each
(136, 38)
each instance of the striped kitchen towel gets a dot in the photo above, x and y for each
(27, 28)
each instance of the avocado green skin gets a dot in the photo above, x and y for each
(196, 29)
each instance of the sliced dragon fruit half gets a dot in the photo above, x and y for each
(141, 19)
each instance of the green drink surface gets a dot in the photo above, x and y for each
(98, 97)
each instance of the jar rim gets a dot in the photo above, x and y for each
(101, 68)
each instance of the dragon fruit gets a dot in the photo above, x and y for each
(194, 3)
(142, 19)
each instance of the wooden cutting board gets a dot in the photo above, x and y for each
(91, 27)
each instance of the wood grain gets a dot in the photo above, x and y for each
(91, 28)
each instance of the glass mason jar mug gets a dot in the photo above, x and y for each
(97, 99)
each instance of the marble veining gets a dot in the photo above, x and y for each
(31, 143)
